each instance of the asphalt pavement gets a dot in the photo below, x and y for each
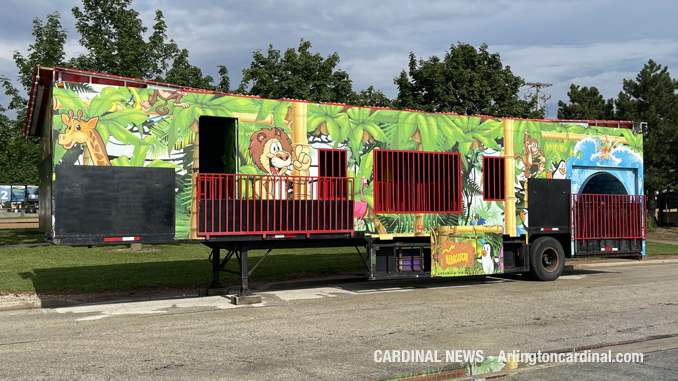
(332, 331)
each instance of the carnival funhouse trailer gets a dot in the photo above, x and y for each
(426, 194)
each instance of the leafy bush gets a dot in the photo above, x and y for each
(651, 224)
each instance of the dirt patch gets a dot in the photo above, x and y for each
(666, 234)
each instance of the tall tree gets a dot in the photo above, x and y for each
(586, 103)
(224, 80)
(184, 74)
(370, 97)
(113, 35)
(19, 156)
(296, 74)
(652, 98)
(466, 81)
(47, 50)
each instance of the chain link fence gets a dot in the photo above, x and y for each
(19, 218)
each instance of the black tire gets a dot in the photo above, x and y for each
(547, 259)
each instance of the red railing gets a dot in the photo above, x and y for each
(605, 216)
(230, 204)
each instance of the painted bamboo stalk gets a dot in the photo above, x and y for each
(193, 222)
(442, 230)
(299, 137)
(251, 118)
(510, 227)
(569, 137)
(418, 217)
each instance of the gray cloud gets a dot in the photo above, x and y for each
(588, 42)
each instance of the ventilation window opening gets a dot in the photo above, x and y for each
(493, 178)
(332, 163)
(417, 182)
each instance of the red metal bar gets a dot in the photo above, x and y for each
(607, 216)
(288, 214)
(416, 182)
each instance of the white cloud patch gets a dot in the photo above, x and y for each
(587, 42)
(603, 65)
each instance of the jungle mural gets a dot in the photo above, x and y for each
(118, 126)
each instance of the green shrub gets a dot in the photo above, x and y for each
(651, 224)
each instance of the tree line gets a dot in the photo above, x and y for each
(466, 80)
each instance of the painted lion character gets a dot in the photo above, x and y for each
(271, 151)
(534, 159)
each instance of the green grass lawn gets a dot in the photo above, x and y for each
(655, 248)
(20, 236)
(61, 269)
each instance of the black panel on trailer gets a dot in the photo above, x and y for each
(548, 202)
(94, 201)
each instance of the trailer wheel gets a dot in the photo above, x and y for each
(547, 259)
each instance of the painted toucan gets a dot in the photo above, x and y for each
(523, 217)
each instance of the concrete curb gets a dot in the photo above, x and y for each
(647, 262)
(33, 303)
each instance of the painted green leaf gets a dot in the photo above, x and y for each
(222, 112)
(163, 164)
(123, 135)
(369, 195)
(59, 152)
(313, 122)
(58, 124)
(488, 141)
(265, 109)
(105, 136)
(280, 113)
(376, 132)
(357, 133)
(108, 96)
(121, 161)
(344, 127)
(366, 164)
(386, 116)
(406, 126)
(333, 129)
(138, 158)
(126, 117)
(71, 101)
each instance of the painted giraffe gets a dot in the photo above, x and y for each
(84, 132)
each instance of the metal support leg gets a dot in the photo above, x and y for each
(370, 261)
(244, 276)
(216, 268)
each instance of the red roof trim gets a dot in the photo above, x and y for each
(203, 91)
(41, 76)
(31, 101)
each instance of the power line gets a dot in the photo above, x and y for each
(538, 86)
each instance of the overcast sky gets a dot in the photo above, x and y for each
(589, 42)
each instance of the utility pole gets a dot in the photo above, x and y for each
(538, 86)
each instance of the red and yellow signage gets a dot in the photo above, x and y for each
(456, 254)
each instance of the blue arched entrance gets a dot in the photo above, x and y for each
(603, 183)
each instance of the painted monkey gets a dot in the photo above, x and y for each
(534, 159)
(166, 96)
